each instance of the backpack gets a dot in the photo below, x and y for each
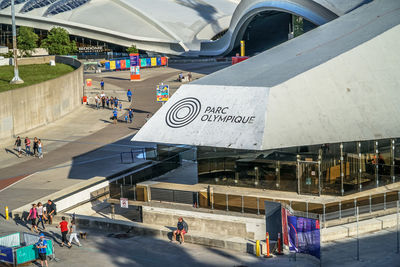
(185, 226)
(54, 207)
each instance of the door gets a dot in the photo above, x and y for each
(308, 177)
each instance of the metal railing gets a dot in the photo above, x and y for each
(255, 205)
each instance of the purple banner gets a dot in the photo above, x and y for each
(304, 235)
(134, 59)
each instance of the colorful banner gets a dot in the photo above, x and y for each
(304, 235)
(148, 62)
(285, 213)
(143, 62)
(158, 61)
(123, 64)
(127, 63)
(107, 65)
(88, 82)
(162, 93)
(6, 254)
(118, 64)
(163, 61)
(112, 65)
(153, 61)
(134, 59)
(135, 73)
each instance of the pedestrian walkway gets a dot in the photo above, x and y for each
(88, 137)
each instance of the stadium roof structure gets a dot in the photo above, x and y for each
(176, 27)
(337, 83)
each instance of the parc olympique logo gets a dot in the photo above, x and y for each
(188, 109)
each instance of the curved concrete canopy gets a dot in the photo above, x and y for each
(179, 27)
(247, 9)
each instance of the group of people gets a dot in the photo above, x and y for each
(41, 245)
(181, 78)
(110, 102)
(37, 147)
(39, 214)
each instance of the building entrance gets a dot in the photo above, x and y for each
(308, 176)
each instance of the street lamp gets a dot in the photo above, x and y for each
(16, 79)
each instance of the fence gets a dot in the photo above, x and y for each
(255, 205)
(125, 186)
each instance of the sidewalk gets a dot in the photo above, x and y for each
(97, 132)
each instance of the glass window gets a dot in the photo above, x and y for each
(384, 161)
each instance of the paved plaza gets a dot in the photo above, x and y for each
(86, 141)
(121, 249)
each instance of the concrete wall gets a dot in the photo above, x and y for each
(69, 197)
(35, 60)
(29, 107)
(224, 225)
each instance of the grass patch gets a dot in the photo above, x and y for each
(31, 74)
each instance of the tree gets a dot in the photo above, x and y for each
(27, 41)
(132, 49)
(57, 42)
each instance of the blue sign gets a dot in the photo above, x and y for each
(148, 62)
(134, 59)
(6, 254)
(304, 235)
(107, 65)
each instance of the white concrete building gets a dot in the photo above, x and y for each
(318, 114)
(179, 27)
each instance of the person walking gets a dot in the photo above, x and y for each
(41, 245)
(41, 215)
(18, 145)
(115, 115)
(115, 102)
(51, 210)
(40, 149)
(129, 95)
(97, 101)
(32, 216)
(130, 114)
(35, 146)
(108, 102)
(102, 84)
(112, 102)
(73, 234)
(103, 101)
(63, 225)
(120, 106)
(27, 146)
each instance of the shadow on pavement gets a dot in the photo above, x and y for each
(104, 161)
(11, 152)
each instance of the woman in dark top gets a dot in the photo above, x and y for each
(35, 146)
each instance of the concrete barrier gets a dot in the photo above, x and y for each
(34, 60)
(158, 231)
(218, 224)
(350, 229)
(67, 198)
(32, 106)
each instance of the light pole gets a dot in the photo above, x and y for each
(16, 78)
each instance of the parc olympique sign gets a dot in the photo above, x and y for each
(226, 116)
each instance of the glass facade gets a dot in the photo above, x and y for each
(331, 169)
